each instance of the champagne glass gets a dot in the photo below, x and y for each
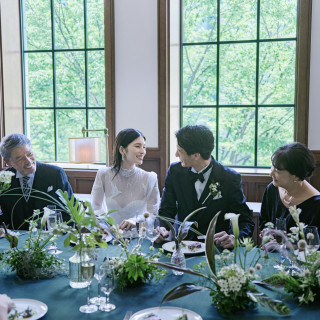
(107, 286)
(100, 272)
(281, 225)
(152, 228)
(312, 238)
(54, 219)
(87, 272)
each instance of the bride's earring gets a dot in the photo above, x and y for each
(122, 156)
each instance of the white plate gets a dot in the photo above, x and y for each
(166, 313)
(169, 246)
(39, 309)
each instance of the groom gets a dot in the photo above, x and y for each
(187, 188)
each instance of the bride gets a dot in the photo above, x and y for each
(123, 186)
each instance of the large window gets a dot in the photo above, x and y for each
(64, 77)
(238, 75)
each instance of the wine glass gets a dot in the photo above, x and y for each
(312, 238)
(100, 272)
(281, 225)
(53, 220)
(152, 228)
(107, 286)
(87, 273)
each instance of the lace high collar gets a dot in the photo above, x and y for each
(127, 172)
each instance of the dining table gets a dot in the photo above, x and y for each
(63, 301)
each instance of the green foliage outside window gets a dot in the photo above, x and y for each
(238, 75)
(64, 84)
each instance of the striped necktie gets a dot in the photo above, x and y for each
(25, 188)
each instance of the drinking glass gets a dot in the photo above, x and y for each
(152, 228)
(100, 272)
(53, 220)
(281, 224)
(141, 230)
(312, 237)
(107, 286)
(87, 272)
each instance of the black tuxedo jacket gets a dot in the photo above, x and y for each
(179, 197)
(15, 209)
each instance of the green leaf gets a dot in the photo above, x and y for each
(66, 241)
(183, 290)
(274, 305)
(210, 246)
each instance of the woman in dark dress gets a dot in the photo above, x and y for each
(292, 164)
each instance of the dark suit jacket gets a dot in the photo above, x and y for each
(180, 197)
(15, 208)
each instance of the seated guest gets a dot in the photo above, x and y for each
(6, 304)
(18, 203)
(291, 165)
(123, 186)
(187, 188)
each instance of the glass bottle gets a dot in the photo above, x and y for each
(75, 276)
(179, 259)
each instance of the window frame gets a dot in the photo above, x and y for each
(301, 103)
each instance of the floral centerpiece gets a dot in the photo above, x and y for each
(302, 278)
(131, 267)
(232, 288)
(32, 261)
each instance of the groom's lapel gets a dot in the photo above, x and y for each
(190, 191)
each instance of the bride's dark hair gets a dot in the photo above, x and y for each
(124, 138)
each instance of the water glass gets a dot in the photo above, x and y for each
(87, 273)
(152, 228)
(99, 274)
(312, 237)
(54, 219)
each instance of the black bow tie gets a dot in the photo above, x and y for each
(199, 176)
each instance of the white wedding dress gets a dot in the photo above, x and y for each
(131, 192)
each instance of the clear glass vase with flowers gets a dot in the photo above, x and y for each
(232, 288)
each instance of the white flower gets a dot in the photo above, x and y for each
(258, 266)
(46, 213)
(294, 229)
(310, 236)
(251, 270)
(318, 276)
(302, 244)
(295, 212)
(269, 225)
(5, 176)
(234, 221)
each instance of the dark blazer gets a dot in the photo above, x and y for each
(48, 178)
(179, 197)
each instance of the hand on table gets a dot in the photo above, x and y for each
(164, 234)
(127, 225)
(224, 240)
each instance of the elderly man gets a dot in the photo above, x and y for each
(18, 203)
(200, 181)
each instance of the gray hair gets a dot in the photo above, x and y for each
(12, 141)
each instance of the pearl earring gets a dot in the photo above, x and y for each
(122, 156)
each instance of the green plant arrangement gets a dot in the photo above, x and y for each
(232, 288)
(32, 261)
(131, 268)
(302, 278)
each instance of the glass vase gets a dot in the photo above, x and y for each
(179, 259)
(75, 277)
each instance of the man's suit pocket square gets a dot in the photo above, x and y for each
(50, 188)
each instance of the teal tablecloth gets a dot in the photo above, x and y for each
(63, 302)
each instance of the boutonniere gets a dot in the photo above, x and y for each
(50, 189)
(214, 191)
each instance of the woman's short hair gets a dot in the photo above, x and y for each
(295, 158)
(123, 139)
(196, 139)
(8, 143)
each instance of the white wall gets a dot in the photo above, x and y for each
(314, 97)
(136, 67)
